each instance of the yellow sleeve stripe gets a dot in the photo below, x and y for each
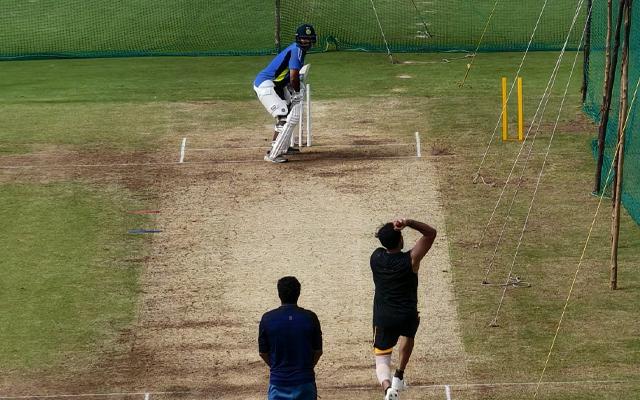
(282, 75)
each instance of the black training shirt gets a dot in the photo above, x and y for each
(396, 295)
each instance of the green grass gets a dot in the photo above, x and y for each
(114, 102)
(552, 245)
(66, 288)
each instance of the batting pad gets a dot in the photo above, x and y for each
(281, 144)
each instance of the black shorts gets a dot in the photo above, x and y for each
(385, 337)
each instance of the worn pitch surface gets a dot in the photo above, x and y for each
(229, 238)
(232, 229)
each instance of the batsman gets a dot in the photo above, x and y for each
(278, 89)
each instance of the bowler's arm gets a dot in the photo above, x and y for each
(423, 245)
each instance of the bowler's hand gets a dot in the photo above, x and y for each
(399, 224)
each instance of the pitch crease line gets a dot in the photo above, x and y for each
(63, 166)
(326, 146)
(434, 386)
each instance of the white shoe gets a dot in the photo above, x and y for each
(276, 160)
(392, 394)
(398, 384)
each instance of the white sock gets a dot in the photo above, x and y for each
(383, 368)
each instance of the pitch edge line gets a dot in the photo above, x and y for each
(13, 167)
(351, 388)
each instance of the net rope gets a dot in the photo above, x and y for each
(540, 110)
(424, 23)
(475, 52)
(386, 43)
(544, 163)
(513, 83)
(586, 243)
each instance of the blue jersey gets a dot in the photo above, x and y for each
(278, 69)
(290, 335)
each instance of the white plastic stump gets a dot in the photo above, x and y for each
(301, 117)
(305, 117)
(447, 391)
(182, 149)
(418, 150)
(308, 92)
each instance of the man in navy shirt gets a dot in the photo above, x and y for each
(290, 342)
(278, 89)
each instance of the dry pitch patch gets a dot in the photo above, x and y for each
(231, 229)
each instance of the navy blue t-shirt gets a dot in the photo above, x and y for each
(291, 335)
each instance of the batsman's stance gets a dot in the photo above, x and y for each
(278, 89)
(395, 303)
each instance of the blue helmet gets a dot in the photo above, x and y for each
(306, 36)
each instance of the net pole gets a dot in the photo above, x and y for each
(586, 52)
(582, 256)
(278, 26)
(606, 101)
(619, 163)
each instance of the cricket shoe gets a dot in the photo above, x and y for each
(276, 160)
(398, 384)
(292, 150)
(391, 394)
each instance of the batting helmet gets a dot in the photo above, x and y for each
(306, 36)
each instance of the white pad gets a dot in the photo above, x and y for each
(383, 368)
(281, 144)
(270, 100)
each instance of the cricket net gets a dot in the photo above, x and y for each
(121, 28)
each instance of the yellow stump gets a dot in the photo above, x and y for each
(505, 123)
(505, 120)
(520, 111)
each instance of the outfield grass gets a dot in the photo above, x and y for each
(66, 286)
(82, 104)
